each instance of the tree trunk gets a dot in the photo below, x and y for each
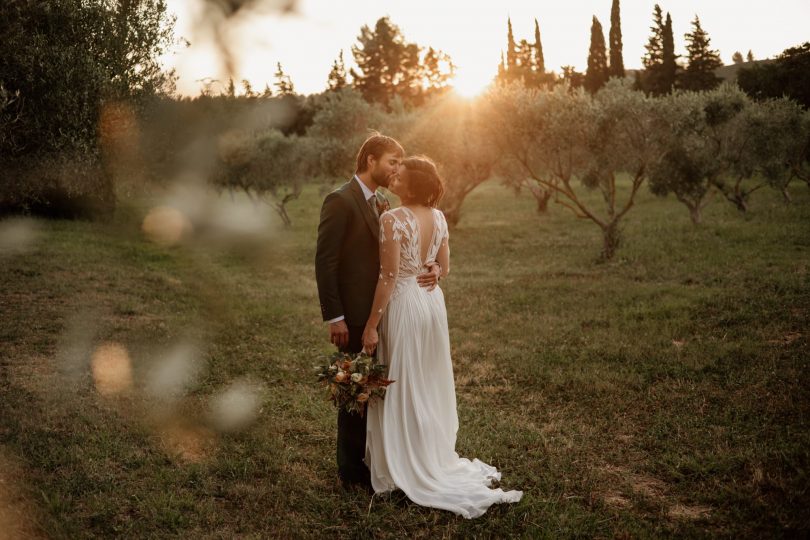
(694, 214)
(542, 196)
(610, 240)
(741, 203)
(786, 195)
(281, 210)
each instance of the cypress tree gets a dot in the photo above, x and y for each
(750, 57)
(511, 52)
(699, 74)
(501, 77)
(669, 68)
(597, 73)
(616, 60)
(539, 60)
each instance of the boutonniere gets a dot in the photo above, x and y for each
(382, 203)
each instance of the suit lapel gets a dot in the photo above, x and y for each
(365, 209)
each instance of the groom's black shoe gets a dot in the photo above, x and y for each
(362, 485)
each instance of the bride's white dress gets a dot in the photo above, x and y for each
(411, 435)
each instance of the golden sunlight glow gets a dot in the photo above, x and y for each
(473, 34)
(471, 83)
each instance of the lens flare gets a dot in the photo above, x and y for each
(17, 235)
(187, 443)
(112, 369)
(166, 226)
(174, 373)
(237, 406)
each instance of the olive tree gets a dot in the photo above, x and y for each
(722, 142)
(568, 142)
(340, 126)
(267, 166)
(66, 62)
(799, 151)
(776, 135)
(700, 148)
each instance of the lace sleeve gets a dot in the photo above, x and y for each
(443, 255)
(390, 237)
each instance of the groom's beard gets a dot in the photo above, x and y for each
(382, 179)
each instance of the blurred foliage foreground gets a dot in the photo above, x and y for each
(156, 374)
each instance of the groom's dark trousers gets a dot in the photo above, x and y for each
(351, 441)
(347, 263)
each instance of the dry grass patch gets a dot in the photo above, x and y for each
(688, 513)
(650, 488)
(17, 519)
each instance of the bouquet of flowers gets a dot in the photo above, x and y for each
(353, 382)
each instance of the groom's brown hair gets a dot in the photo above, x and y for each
(376, 145)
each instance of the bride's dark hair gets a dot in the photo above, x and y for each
(424, 182)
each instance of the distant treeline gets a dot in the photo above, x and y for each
(87, 113)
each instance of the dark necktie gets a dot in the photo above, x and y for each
(372, 202)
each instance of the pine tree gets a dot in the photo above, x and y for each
(615, 37)
(524, 71)
(337, 77)
(572, 77)
(266, 93)
(702, 61)
(231, 90)
(655, 43)
(737, 58)
(388, 66)
(386, 63)
(750, 56)
(597, 74)
(248, 88)
(436, 79)
(283, 82)
(659, 60)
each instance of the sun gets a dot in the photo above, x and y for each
(470, 83)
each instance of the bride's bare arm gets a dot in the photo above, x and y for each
(387, 279)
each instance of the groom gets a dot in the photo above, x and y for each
(347, 263)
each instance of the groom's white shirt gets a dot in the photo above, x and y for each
(367, 193)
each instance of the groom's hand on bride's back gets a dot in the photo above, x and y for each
(430, 278)
(339, 333)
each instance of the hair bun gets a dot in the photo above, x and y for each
(425, 184)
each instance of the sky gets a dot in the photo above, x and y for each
(473, 33)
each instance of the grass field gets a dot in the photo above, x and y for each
(665, 393)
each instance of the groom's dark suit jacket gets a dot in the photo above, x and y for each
(347, 259)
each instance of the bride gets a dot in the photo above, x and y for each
(411, 435)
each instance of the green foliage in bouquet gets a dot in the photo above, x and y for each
(353, 382)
